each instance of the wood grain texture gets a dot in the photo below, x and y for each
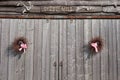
(111, 66)
(96, 58)
(63, 2)
(71, 49)
(79, 50)
(56, 49)
(62, 7)
(47, 44)
(0, 38)
(114, 28)
(4, 49)
(61, 49)
(118, 49)
(20, 62)
(38, 31)
(0, 49)
(29, 54)
(63, 58)
(104, 54)
(45, 50)
(12, 58)
(88, 61)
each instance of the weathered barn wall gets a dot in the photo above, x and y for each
(63, 8)
(56, 52)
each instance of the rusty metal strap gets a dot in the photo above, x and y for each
(58, 17)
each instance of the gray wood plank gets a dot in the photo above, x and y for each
(44, 40)
(60, 50)
(0, 48)
(0, 37)
(71, 49)
(54, 50)
(79, 50)
(4, 50)
(104, 54)
(110, 50)
(29, 53)
(63, 70)
(38, 50)
(118, 49)
(96, 58)
(16, 69)
(87, 37)
(45, 49)
(114, 28)
(20, 62)
(12, 59)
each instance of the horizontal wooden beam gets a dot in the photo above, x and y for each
(62, 2)
(61, 9)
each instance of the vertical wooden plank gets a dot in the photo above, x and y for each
(96, 58)
(118, 49)
(20, 75)
(71, 49)
(12, 58)
(79, 50)
(38, 50)
(111, 50)
(0, 38)
(60, 50)
(104, 32)
(87, 37)
(30, 51)
(45, 50)
(63, 69)
(0, 49)
(114, 41)
(4, 49)
(44, 40)
(54, 50)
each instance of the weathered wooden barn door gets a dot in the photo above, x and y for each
(40, 61)
(58, 32)
(56, 49)
(45, 50)
(74, 35)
